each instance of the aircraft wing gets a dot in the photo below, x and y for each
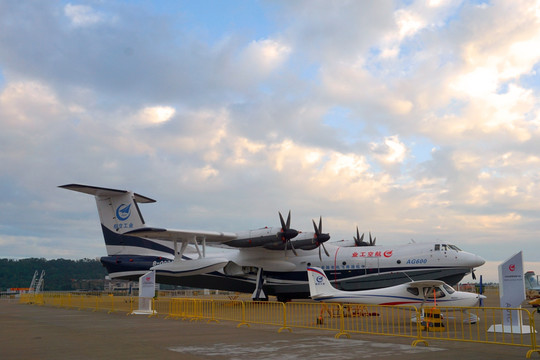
(182, 235)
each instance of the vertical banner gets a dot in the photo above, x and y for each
(147, 285)
(511, 294)
(147, 290)
(511, 288)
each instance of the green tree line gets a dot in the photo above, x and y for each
(60, 274)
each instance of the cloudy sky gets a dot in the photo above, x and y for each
(410, 119)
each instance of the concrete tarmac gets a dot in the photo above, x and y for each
(36, 332)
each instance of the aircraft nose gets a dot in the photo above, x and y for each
(479, 261)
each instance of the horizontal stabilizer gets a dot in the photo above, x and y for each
(99, 191)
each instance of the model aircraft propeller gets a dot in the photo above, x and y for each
(359, 240)
(286, 233)
(320, 238)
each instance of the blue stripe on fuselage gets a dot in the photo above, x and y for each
(112, 238)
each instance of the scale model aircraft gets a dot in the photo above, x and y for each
(266, 261)
(411, 293)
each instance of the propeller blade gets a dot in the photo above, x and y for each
(370, 240)
(283, 225)
(292, 247)
(325, 251)
(473, 274)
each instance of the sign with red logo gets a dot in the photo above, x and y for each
(512, 289)
(388, 253)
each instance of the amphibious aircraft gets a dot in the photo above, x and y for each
(411, 293)
(266, 261)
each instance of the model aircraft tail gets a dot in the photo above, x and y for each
(319, 285)
(531, 282)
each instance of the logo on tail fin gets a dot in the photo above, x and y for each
(123, 212)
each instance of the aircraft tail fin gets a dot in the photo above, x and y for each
(120, 214)
(118, 209)
(319, 285)
(531, 281)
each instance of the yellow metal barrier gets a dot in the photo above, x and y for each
(454, 324)
(316, 316)
(483, 325)
(380, 320)
(229, 310)
(267, 313)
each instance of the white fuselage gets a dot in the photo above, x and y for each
(418, 293)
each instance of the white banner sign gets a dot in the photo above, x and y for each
(147, 285)
(512, 288)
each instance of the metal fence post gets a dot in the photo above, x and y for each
(284, 327)
(534, 348)
(341, 324)
(243, 316)
(419, 329)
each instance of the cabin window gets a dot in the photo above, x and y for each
(449, 289)
(430, 293)
(413, 291)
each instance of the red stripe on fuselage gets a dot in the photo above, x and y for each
(400, 303)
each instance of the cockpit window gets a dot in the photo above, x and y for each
(431, 292)
(445, 247)
(449, 289)
(413, 291)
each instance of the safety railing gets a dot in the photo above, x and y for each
(474, 324)
(485, 325)
(381, 320)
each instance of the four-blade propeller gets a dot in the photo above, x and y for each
(320, 238)
(359, 240)
(286, 233)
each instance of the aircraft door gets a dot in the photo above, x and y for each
(372, 265)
